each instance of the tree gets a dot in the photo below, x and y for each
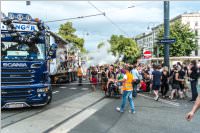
(122, 46)
(68, 33)
(100, 45)
(185, 40)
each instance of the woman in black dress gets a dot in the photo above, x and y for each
(176, 83)
(164, 82)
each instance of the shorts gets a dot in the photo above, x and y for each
(176, 86)
(156, 87)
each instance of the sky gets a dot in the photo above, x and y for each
(127, 21)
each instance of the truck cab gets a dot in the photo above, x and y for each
(25, 56)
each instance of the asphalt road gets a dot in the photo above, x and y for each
(61, 94)
(76, 109)
(150, 117)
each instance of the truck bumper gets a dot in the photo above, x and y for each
(24, 96)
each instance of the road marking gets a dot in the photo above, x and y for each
(162, 100)
(69, 125)
(85, 89)
(63, 87)
(54, 92)
(73, 88)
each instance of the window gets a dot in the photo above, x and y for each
(188, 23)
(22, 51)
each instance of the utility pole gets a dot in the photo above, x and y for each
(166, 33)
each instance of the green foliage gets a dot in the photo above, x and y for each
(121, 45)
(185, 40)
(100, 45)
(68, 33)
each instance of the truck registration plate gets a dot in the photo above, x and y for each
(15, 105)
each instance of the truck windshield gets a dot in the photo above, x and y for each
(21, 51)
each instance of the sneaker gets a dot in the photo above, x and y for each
(119, 110)
(156, 98)
(132, 112)
(192, 100)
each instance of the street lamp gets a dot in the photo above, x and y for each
(131, 6)
(28, 3)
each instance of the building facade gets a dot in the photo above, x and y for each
(147, 41)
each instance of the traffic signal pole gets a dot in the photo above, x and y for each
(166, 33)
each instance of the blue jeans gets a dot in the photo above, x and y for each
(194, 89)
(130, 99)
(134, 90)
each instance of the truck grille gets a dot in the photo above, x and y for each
(16, 95)
(16, 70)
(17, 76)
(16, 92)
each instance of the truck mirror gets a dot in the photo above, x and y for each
(52, 51)
(53, 46)
(52, 54)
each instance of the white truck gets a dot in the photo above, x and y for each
(63, 66)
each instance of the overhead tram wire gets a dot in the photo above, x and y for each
(80, 17)
(108, 18)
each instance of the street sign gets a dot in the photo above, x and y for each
(147, 54)
(167, 41)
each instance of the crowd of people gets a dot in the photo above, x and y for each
(126, 80)
(160, 80)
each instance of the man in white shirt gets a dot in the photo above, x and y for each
(136, 76)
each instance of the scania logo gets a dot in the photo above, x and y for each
(4, 92)
(14, 65)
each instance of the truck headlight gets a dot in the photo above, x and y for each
(39, 90)
(37, 65)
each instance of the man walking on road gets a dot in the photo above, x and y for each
(127, 91)
(193, 79)
(136, 75)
